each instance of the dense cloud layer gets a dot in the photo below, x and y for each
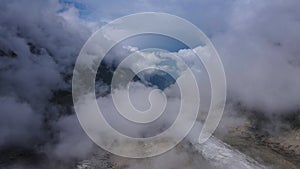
(261, 55)
(258, 42)
(38, 46)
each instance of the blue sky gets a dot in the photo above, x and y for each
(84, 11)
(208, 15)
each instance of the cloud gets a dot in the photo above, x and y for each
(258, 42)
(260, 56)
(17, 120)
(38, 48)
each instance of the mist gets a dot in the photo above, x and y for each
(258, 42)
